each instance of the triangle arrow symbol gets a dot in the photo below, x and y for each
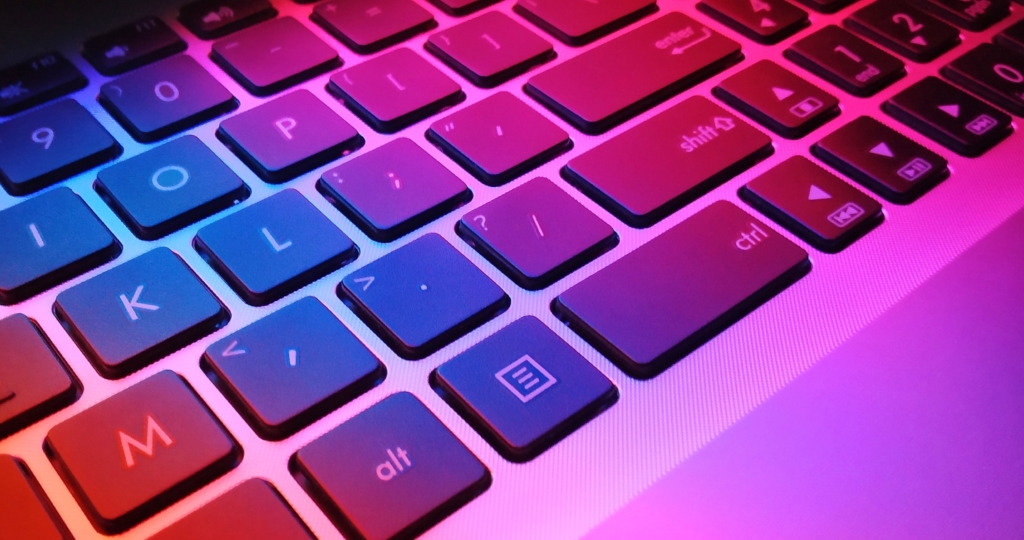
(882, 149)
(781, 93)
(767, 23)
(918, 40)
(232, 351)
(366, 281)
(817, 194)
(952, 110)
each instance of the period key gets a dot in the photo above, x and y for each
(663, 300)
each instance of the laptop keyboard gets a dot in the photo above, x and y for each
(392, 468)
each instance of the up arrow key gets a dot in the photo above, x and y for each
(131, 305)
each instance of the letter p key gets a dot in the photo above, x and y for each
(285, 126)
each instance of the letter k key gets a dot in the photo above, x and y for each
(131, 305)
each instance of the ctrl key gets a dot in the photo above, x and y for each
(391, 471)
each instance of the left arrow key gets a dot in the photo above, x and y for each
(139, 311)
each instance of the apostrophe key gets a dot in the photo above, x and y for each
(616, 80)
(49, 239)
(131, 46)
(994, 73)
(882, 160)
(291, 368)
(50, 144)
(273, 55)
(666, 298)
(974, 15)
(578, 22)
(274, 247)
(138, 312)
(24, 509)
(252, 509)
(422, 296)
(524, 389)
(846, 61)
(461, 7)
(950, 116)
(490, 49)
(499, 138)
(393, 190)
(288, 136)
(687, 150)
(169, 187)
(904, 29)
(36, 81)
(536, 233)
(34, 381)
(211, 19)
(778, 99)
(164, 98)
(135, 453)
(813, 203)
(764, 21)
(392, 471)
(395, 90)
(367, 26)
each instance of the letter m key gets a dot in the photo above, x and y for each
(153, 433)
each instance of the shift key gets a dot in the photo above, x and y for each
(660, 302)
(615, 81)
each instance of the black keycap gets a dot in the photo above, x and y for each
(49, 239)
(273, 55)
(846, 61)
(578, 22)
(536, 233)
(764, 21)
(893, 166)
(904, 29)
(34, 382)
(137, 312)
(975, 15)
(395, 90)
(367, 26)
(36, 81)
(524, 389)
(499, 138)
(490, 49)
(813, 204)
(211, 19)
(291, 368)
(274, 247)
(51, 144)
(169, 187)
(162, 99)
(826, 6)
(994, 73)
(26, 512)
(609, 84)
(778, 99)
(135, 453)
(1012, 37)
(461, 7)
(393, 190)
(288, 136)
(663, 300)
(133, 45)
(253, 509)
(392, 471)
(950, 116)
(422, 296)
(687, 151)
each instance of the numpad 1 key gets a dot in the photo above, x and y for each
(140, 450)
(974, 15)
(162, 99)
(764, 21)
(169, 187)
(395, 90)
(132, 45)
(994, 73)
(668, 297)
(846, 61)
(49, 239)
(490, 49)
(904, 29)
(578, 22)
(393, 190)
(50, 144)
(367, 26)
(658, 166)
(37, 80)
(26, 512)
(210, 19)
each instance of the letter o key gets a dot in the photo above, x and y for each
(166, 91)
(170, 187)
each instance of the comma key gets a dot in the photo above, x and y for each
(668, 297)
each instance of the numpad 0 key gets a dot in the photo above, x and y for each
(992, 72)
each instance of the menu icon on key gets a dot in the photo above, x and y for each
(525, 378)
